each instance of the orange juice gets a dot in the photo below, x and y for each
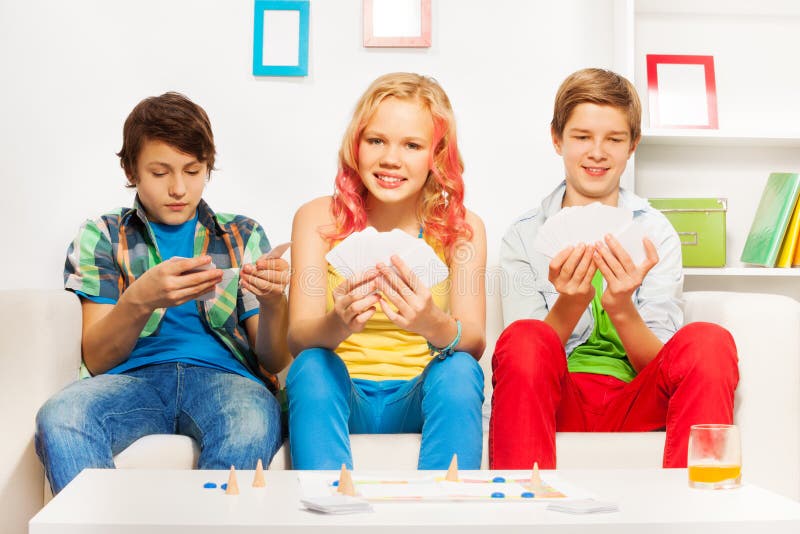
(710, 474)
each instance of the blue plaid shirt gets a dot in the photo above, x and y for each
(111, 252)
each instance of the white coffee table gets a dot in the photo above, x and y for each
(174, 501)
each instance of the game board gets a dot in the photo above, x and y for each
(496, 486)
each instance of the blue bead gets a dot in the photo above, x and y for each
(498, 479)
(223, 487)
(527, 495)
(209, 485)
(498, 495)
(335, 483)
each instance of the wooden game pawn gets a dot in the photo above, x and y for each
(536, 479)
(452, 471)
(233, 486)
(346, 486)
(258, 478)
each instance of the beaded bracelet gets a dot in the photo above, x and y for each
(449, 349)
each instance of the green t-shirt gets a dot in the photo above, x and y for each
(602, 353)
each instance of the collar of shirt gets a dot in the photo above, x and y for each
(551, 204)
(205, 216)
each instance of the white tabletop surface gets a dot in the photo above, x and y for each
(175, 501)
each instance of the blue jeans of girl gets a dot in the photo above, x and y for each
(326, 405)
(234, 420)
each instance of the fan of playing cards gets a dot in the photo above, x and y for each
(363, 250)
(589, 224)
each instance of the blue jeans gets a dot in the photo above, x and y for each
(235, 420)
(325, 405)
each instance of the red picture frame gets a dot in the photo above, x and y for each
(680, 102)
(375, 36)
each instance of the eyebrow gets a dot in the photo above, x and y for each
(373, 133)
(583, 130)
(167, 165)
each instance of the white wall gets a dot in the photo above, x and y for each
(71, 72)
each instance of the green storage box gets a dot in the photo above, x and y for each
(700, 223)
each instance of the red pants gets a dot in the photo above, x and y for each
(690, 381)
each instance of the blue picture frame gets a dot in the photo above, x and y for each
(259, 69)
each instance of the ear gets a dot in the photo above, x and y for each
(634, 145)
(131, 179)
(556, 140)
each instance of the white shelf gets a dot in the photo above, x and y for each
(704, 137)
(779, 8)
(741, 271)
(750, 40)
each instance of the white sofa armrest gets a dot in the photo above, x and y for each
(40, 353)
(767, 408)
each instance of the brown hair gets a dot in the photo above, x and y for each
(173, 119)
(601, 87)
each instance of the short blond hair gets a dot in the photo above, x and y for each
(601, 87)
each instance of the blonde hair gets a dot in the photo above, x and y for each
(442, 210)
(601, 87)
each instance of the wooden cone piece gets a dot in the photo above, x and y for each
(452, 471)
(346, 486)
(233, 486)
(536, 479)
(258, 478)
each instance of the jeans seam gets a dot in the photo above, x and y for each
(407, 394)
(420, 378)
(180, 370)
(126, 412)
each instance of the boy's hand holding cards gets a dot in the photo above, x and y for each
(589, 224)
(205, 267)
(268, 276)
(228, 274)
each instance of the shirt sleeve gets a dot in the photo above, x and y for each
(659, 298)
(90, 268)
(521, 298)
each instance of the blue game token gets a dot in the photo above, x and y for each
(498, 495)
(335, 483)
(498, 479)
(527, 495)
(223, 487)
(209, 485)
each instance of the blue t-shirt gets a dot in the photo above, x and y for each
(182, 336)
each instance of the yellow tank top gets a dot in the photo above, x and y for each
(383, 351)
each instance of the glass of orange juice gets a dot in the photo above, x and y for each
(715, 457)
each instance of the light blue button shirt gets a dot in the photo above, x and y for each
(528, 294)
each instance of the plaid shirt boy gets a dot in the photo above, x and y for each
(111, 252)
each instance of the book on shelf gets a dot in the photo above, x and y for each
(796, 260)
(796, 256)
(790, 239)
(772, 217)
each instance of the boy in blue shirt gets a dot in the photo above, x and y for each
(184, 314)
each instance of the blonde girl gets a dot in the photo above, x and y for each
(379, 352)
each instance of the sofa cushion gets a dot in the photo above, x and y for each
(401, 451)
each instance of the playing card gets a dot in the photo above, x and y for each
(337, 504)
(363, 250)
(338, 263)
(545, 243)
(209, 294)
(424, 263)
(583, 506)
(278, 250)
(589, 224)
(630, 237)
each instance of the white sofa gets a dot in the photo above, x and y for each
(40, 353)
